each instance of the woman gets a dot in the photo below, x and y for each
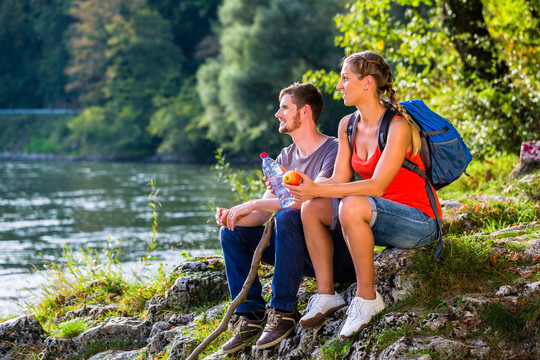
(389, 207)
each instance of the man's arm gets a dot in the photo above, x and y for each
(252, 213)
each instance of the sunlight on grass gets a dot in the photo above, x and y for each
(72, 328)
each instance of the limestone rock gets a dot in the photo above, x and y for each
(24, 330)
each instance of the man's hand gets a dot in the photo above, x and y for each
(305, 191)
(229, 217)
(221, 216)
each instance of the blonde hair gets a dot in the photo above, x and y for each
(369, 63)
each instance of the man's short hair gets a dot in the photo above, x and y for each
(305, 93)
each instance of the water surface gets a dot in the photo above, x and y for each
(47, 205)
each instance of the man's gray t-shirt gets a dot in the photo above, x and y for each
(319, 164)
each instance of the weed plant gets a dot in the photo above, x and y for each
(90, 277)
(72, 328)
(470, 267)
(245, 184)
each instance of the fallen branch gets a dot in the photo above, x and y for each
(242, 296)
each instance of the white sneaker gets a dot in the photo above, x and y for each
(359, 314)
(319, 307)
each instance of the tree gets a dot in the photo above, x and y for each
(50, 19)
(466, 26)
(18, 66)
(88, 37)
(191, 25)
(265, 46)
(177, 123)
(475, 63)
(140, 62)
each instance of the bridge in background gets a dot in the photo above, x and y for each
(39, 111)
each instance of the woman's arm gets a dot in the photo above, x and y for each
(397, 145)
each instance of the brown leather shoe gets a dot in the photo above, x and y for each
(245, 334)
(280, 325)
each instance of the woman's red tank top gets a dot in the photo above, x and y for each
(407, 188)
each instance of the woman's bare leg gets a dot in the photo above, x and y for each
(355, 215)
(316, 218)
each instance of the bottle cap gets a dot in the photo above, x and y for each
(263, 155)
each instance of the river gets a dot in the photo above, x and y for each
(48, 205)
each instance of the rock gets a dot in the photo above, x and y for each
(529, 159)
(119, 330)
(117, 355)
(161, 339)
(182, 346)
(450, 204)
(201, 282)
(172, 323)
(24, 330)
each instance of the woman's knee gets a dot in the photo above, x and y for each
(319, 210)
(353, 209)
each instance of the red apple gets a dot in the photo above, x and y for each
(292, 178)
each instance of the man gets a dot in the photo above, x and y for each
(314, 154)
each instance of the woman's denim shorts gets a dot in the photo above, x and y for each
(396, 225)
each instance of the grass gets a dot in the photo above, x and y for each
(514, 323)
(334, 349)
(205, 326)
(72, 328)
(470, 267)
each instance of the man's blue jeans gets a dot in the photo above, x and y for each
(287, 253)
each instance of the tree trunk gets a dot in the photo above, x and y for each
(466, 25)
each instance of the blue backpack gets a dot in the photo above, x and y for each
(443, 151)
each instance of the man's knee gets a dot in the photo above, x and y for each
(288, 217)
(224, 234)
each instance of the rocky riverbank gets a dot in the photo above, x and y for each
(474, 325)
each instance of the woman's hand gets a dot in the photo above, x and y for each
(305, 191)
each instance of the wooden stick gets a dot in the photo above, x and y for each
(242, 296)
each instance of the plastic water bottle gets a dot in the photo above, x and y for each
(274, 174)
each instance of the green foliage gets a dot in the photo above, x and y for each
(32, 133)
(205, 327)
(435, 59)
(515, 323)
(177, 123)
(18, 66)
(191, 25)
(467, 268)
(72, 328)
(90, 277)
(264, 48)
(139, 63)
(487, 175)
(245, 184)
(334, 349)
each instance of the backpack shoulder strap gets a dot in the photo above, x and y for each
(351, 127)
(382, 133)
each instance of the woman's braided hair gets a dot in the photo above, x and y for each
(369, 63)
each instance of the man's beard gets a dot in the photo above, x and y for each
(291, 126)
